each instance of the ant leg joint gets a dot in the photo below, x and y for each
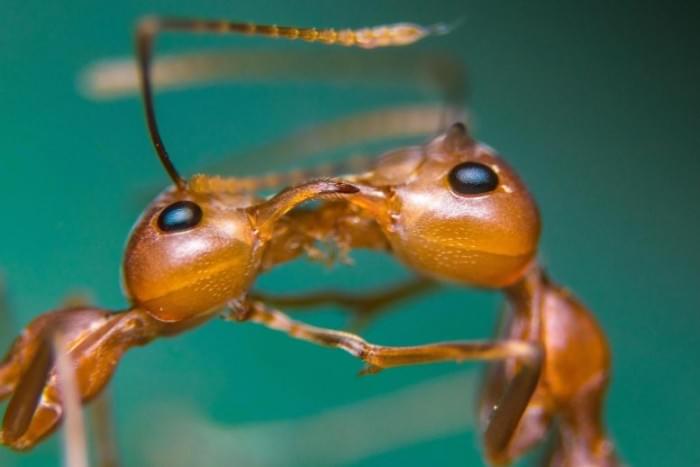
(238, 310)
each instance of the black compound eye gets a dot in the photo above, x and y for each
(472, 178)
(179, 216)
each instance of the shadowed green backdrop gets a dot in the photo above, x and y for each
(595, 104)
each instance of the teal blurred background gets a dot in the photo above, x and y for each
(595, 103)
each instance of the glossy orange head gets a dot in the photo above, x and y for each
(456, 211)
(191, 251)
(200, 245)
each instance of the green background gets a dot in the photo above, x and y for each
(595, 103)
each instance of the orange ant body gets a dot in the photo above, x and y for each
(451, 210)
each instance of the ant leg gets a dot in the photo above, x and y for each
(411, 123)
(364, 307)
(517, 434)
(24, 347)
(115, 78)
(103, 426)
(378, 357)
(583, 437)
(25, 353)
(75, 452)
(504, 418)
(512, 416)
(97, 339)
(7, 325)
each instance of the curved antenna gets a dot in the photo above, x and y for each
(145, 34)
(368, 38)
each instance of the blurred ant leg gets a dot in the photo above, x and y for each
(415, 69)
(79, 299)
(100, 414)
(7, 324)
(399, 122)
(50, 351)
(493, 376)
(26, 370)
(516, 422)
(97, 339)
(103, 427)
(510, 431)
(75, 452)
(3, 295)
(364, 307)
(411, 123)
(27, 390)
(548, 454)
(29, 342)
(27, 351)
(581, 428)
(531, 428)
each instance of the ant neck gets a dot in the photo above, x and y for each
(524, 296)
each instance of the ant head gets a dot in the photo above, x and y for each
(462, 214)
(190, 252)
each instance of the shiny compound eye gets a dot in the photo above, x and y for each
(179, 216)
(472, 178)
